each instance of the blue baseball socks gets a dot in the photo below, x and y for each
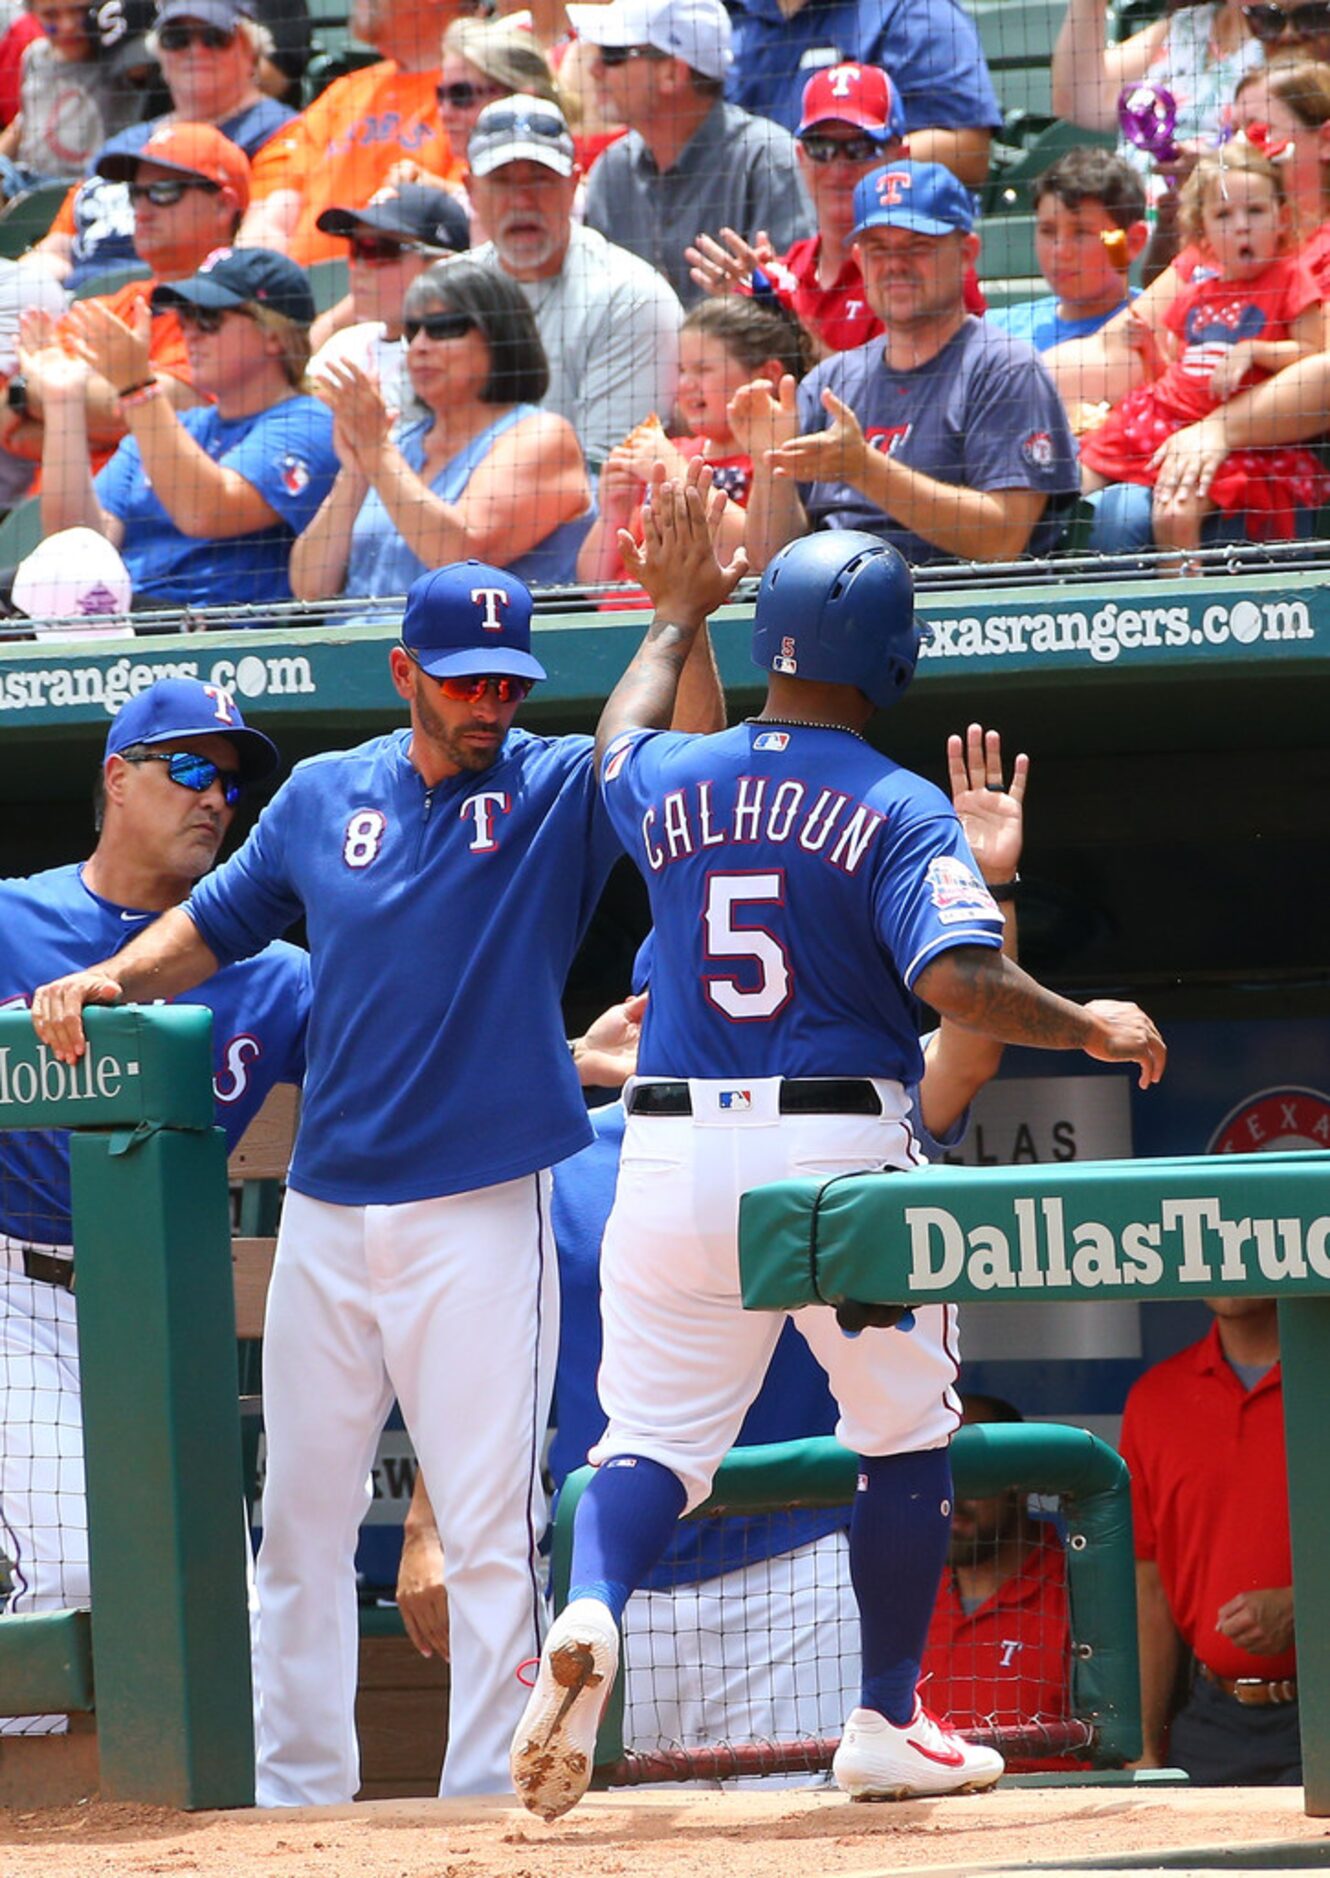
(625, 1520)
(898, 1545)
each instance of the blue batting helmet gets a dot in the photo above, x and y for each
(838, 608)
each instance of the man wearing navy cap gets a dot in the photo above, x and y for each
(179, 757)
(446, 873)
(943, 437)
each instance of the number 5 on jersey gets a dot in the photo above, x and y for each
(727, 897)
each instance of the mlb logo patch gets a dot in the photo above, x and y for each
(772, 740)
(781, 664)
(736, 1100)
(294, 472)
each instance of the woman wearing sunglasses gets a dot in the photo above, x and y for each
(203, 504)
(1198, 52)
(485, 474)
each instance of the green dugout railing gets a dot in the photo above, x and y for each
(165, 1659)
(1254, 1225)
(1101, 1591)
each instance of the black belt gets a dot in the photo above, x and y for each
(46, 1269)
(801, 1095)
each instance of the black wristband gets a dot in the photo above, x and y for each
(16, 394)
(1005, 889)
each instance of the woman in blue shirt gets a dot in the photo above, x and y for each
(484, 474)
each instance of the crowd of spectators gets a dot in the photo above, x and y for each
(628, 165)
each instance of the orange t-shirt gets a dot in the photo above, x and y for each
(339, 150)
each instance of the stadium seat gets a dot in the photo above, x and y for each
(111, 278)
(1008, 188)
(329, 281)
(1007, 265)
(334, 61)
(20, 531)
(27, 218)
(1018, 38)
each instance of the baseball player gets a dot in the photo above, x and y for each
(804, 889)
(446, 873)
(178, 758)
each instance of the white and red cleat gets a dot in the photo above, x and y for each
(876, 1760)
(554, 1747)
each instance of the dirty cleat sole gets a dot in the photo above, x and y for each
(554, 1746)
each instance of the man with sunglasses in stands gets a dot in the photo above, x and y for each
(189, 187)
(390, 240)
(851, 121)
(446, 873)
(179, 757)
(608, 322)
(690, 161)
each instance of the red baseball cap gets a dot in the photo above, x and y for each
(194, 150)
(862, 95)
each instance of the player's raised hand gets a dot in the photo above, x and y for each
(991, 812)
(1124, 1034)
(57, 1010)
(676, 562)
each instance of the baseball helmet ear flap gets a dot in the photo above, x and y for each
(838, 608)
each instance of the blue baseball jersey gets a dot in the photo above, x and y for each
(930, 47)
(982, 413)
(441, 925)
(1038, 323)
(53, 923)
(285, 452)
(793, 1403)
(800, 882)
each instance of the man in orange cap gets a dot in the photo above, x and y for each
(190, 187)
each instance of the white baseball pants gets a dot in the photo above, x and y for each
(682, 1358)
(43, 1503)
(451, 1305)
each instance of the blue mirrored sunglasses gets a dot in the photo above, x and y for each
(194, 772)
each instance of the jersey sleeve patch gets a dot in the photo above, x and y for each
(957, 892)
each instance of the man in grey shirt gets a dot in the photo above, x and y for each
(608, 322)
(691, 164)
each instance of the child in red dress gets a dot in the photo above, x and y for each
(1255, 312)
(723, 344)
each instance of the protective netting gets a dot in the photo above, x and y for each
(1003, 283)
(43, 1510)
(753, 1671)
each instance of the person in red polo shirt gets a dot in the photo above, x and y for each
(999, 1645)
(852, 121)
(1203, 1436)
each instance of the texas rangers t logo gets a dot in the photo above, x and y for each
(224, 704)
(481, 810)
(891, 187)
(491, 598)
(843, 80)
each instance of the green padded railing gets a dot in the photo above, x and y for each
(169, 1633)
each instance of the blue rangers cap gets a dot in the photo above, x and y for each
(186, 707)
(923, 196)
(470, 618)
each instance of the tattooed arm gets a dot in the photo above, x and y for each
(985, 991)
(677, 565)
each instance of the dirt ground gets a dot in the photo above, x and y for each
(658, 1832)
